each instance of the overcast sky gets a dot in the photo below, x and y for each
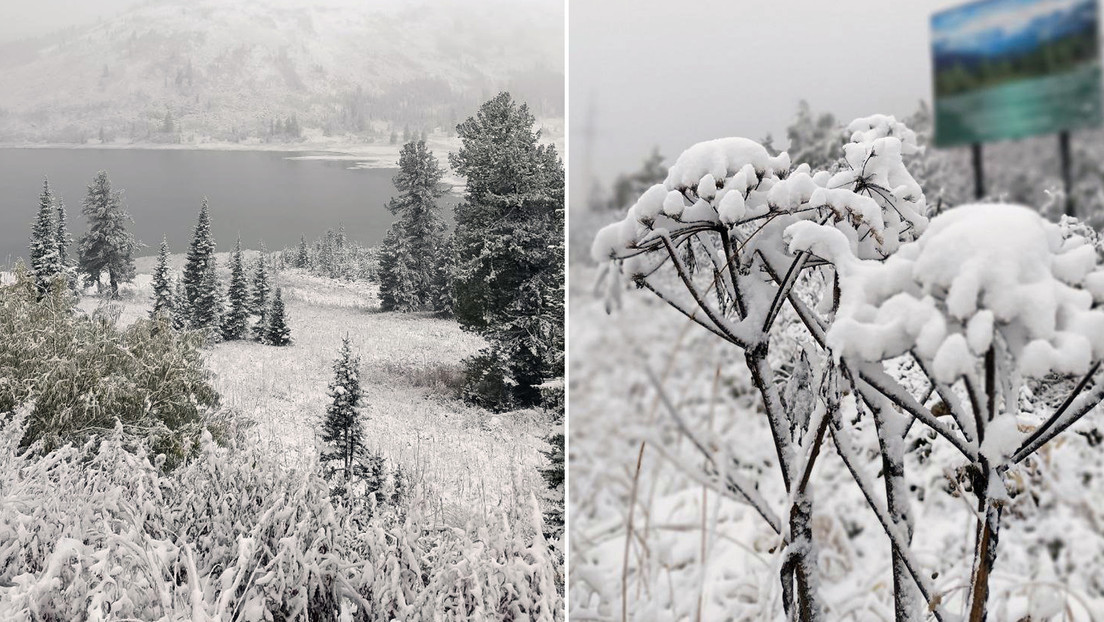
(666, 73)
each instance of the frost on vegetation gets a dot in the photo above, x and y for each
(732, 182)
(146, 376)
(911, 343)
(232, 534)
(978, 271)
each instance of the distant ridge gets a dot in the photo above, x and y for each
(197, 71)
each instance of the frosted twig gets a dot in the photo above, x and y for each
(1069, 413)
(846, 453)
(689, 283)
(732, 482)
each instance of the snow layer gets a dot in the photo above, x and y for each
(978, 270)
(728, 182)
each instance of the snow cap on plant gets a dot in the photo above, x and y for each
(978, 272)
(730, 182)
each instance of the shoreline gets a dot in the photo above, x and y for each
(361, 156)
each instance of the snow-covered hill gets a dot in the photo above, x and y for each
(211, 70)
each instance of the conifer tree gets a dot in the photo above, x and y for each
(411, 256)
(395, 274)
(341, 427)
(302, 259)
(179, 311)
(259, 302)
(398, 486)
(440, 291)
(212, 284)
(236, 320)
(553, 474)
(508, 272)
(200, 282)
(277, 332)
(107, 246)
(345, 457)
(45, 262)
(163, 303)
(64, 241)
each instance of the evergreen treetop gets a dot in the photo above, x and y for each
(277, 332)
(162, 283)
(107, 246)
(237, 314)
(45, 261)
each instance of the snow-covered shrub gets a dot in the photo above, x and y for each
(990, 296)
(99, 531)
(82, 374)
(858, 317)
(333, 255)
(487, 381)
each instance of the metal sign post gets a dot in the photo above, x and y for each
(979, 172)
(1067, 175)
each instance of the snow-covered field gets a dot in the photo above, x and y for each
(465, 459)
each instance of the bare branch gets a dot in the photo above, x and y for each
(722, 325)
(784, 288)
(1076, 405)
(900, 546)
(876, 378)
(732, 481)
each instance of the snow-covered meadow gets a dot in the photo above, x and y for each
(676, 447)
(250, 530)
(467, 460)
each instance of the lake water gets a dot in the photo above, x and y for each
(261, 195)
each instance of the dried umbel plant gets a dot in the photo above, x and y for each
(736, 238)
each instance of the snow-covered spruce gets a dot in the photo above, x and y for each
(302, 255)
(200, 282)
(107, 246)
(507, 278)
(235, 321)
(277, 332)
(64, 241)
(344, 455)
(259, 301)
(413, 263)
(163, 298)
(46, 261)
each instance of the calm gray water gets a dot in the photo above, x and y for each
(261, 195)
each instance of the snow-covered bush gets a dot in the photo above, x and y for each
(853, 311)
(234, 535)
(333, 255)
(82, 374)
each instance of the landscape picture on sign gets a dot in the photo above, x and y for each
(1013, 68)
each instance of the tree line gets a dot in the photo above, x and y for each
(192, 301)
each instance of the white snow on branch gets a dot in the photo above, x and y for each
(977, 271)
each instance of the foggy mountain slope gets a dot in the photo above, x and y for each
(229, 71)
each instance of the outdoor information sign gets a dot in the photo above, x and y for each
(1005, 69)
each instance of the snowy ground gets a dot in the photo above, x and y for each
(469, 459)
(695, 556)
